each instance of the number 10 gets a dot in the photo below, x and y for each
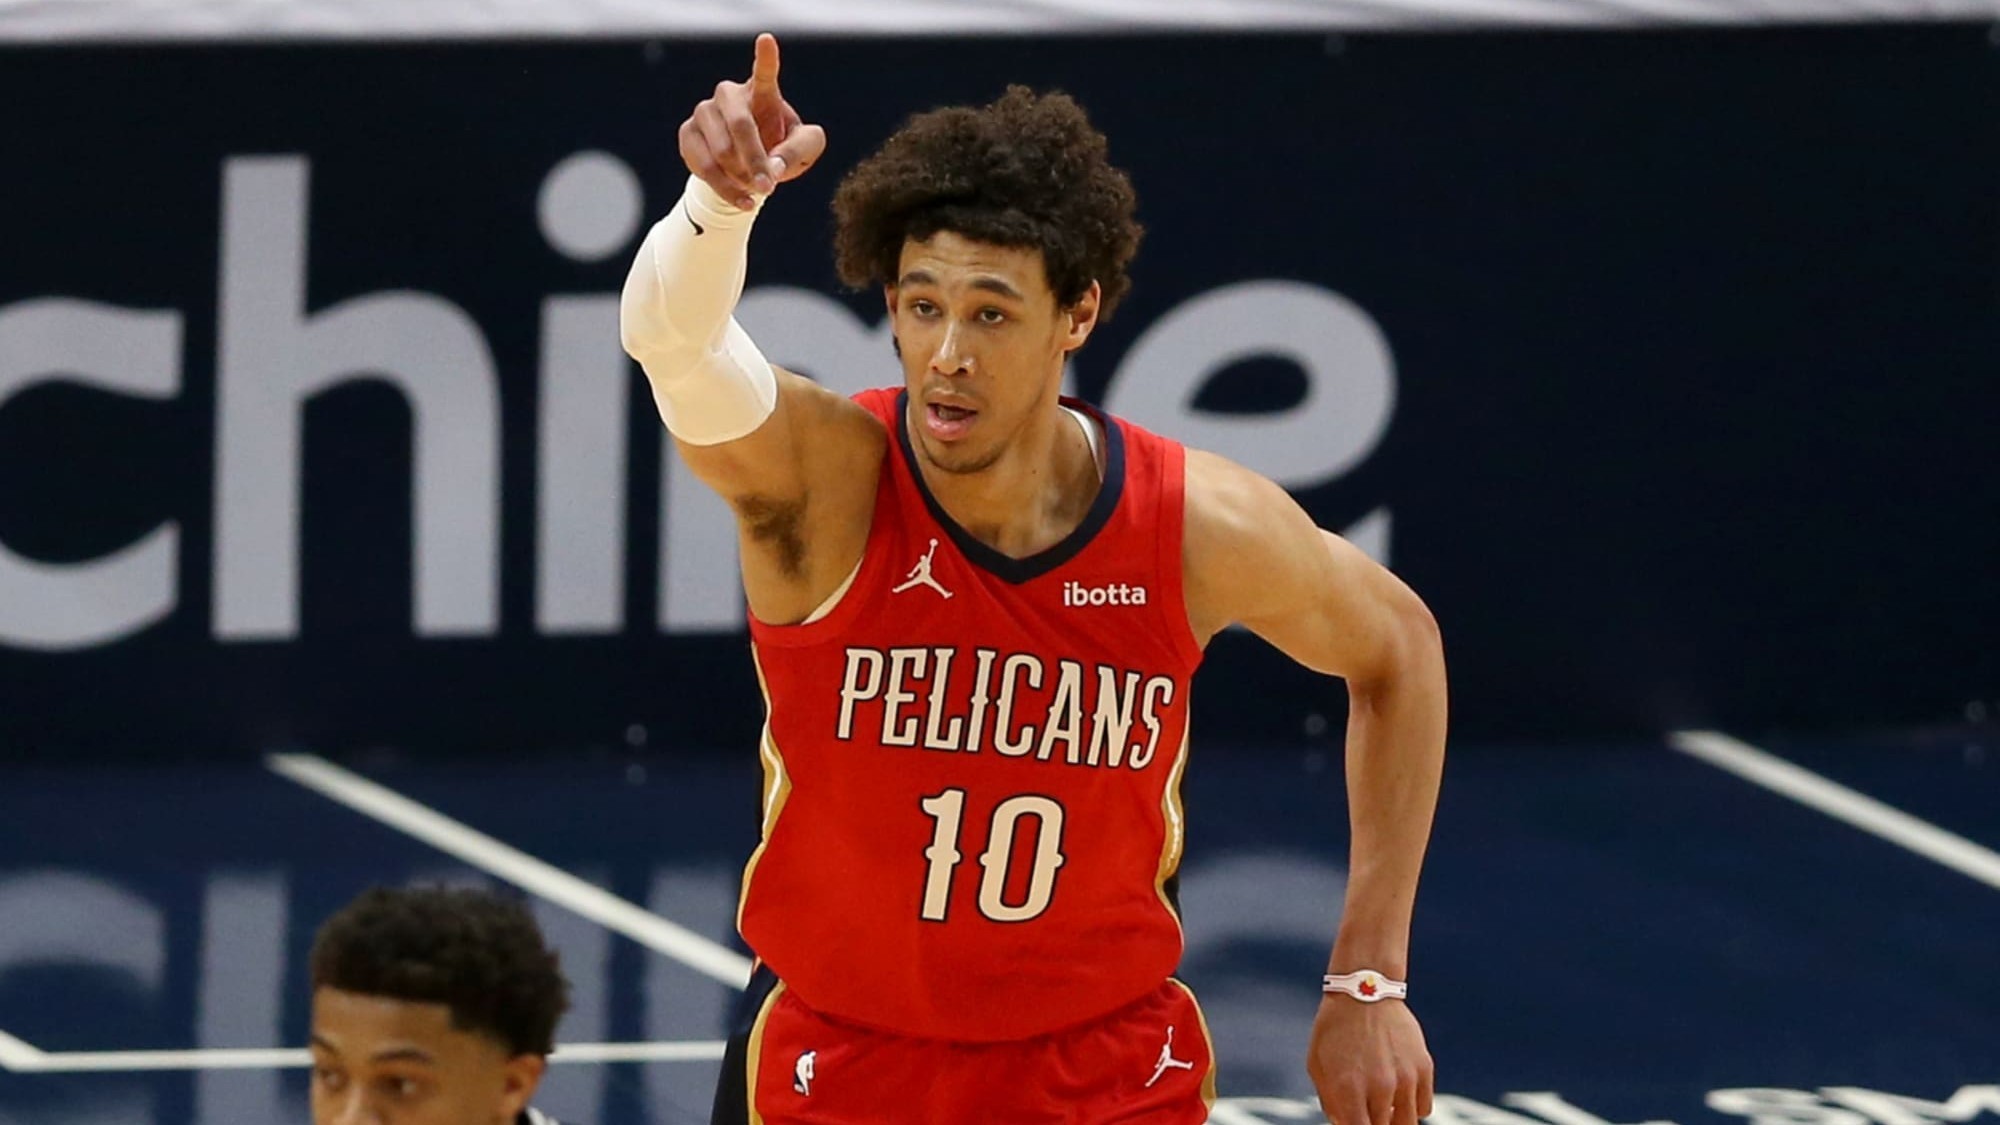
(943, 856)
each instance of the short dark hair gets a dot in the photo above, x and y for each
(1029, 170)
(477, 953)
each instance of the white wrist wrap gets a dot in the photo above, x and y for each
(709, 380)
(1367, 986)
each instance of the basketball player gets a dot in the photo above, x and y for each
(975, 608)
(431, 1007)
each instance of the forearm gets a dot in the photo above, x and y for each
(710, 382)
(1395, 757)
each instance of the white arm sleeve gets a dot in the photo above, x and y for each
(709, 380)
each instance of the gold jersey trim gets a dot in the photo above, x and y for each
(1175, 837)
(756, 1050)
(777, 788)
(1208, 1080)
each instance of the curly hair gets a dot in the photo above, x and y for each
(477, 953)
(1029, 170)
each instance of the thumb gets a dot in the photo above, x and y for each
(800, 150)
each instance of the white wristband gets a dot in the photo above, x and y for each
(1366, 985)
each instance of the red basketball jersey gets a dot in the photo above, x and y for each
(972, 764)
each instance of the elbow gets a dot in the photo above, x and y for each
(653, 344)
(1409, 648)
(633, 342)
(644, 328)
(1418, 624)
(640, 331)
(1419, 644)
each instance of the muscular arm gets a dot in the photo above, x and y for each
(1253, 556)
(796, 462)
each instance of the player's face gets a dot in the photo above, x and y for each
(378, 1061)
(982, 342)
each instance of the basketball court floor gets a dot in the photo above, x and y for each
(1687, 930)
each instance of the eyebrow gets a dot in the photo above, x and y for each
(990, 284)
(393, 1054)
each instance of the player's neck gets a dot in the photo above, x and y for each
(1032, 497)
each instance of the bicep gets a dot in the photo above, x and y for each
(1348, 614)
(811, 434)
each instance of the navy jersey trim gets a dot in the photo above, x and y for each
(1006, 567)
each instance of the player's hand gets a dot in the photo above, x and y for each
(1369, 1064)
(747, 139)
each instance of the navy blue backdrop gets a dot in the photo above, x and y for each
(1663, 364)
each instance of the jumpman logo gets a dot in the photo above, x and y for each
(802, 1074)
(920, 574)
(1168, 1061)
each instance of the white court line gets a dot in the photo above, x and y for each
(689, 1051)
(22, 1058)
(1841, 803)
(514, 866)
(17, 1055)
(77, 1062)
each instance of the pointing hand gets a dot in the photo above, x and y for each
(747, 139)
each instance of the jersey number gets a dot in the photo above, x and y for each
(943, 856)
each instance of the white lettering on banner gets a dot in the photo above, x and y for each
(275, 355)
(1852, 1105)
(125, 351)
(589, 209)
(1262, 1111)
(1449, 1109)
(1894, 1109)
(582, 455)
(1765, 1105)
(86, 924)
(1885, 1109)
(1552, 1107)
(1350, 378)
(244, 923)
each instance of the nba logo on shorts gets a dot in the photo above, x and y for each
(802, 1074)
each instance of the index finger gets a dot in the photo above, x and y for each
(764, 71)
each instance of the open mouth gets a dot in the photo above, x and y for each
(948, 423)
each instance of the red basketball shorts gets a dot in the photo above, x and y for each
(1150, 1061)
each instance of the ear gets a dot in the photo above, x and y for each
(520, 1076)
(1082, 317)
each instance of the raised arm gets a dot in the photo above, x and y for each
(795, 461)
(1254, 557)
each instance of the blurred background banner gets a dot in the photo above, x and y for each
(71, 20)
(1664, 364)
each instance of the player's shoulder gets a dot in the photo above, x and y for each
(879, 401)
(533, 1116)
(1226, 500)
(1239, 528)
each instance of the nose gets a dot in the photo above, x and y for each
(952, 357)
(353, 1109)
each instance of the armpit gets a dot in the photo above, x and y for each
(779, 525)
